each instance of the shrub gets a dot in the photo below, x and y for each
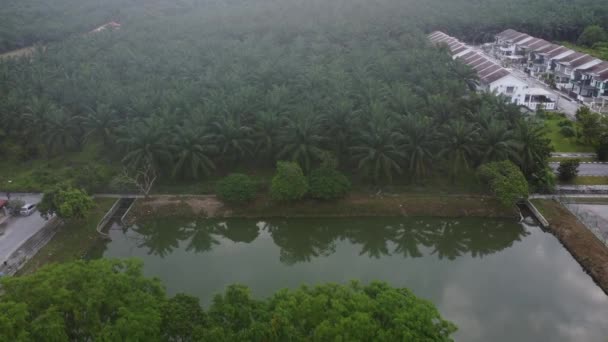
(567, 131)
(91, 178)
(543, 181)
(289, 184)
(505, 180)
(565, 123)
(328, 183)
(236, 188)
(568, 169)
(14, 206)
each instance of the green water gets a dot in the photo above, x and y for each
(497, 280)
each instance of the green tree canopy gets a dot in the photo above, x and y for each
(236, 188)
(65, 202)
(505, 180)
(591, 35)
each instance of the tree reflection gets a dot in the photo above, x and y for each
(303, 239)
(300, 240)
(161, 237)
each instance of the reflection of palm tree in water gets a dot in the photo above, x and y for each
(202, 235)
(452, 241)
(160, 238)
(409, 237)
(373, 240)
(301, 240)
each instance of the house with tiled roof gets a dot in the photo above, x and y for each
(492, 76)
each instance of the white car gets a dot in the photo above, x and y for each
(27, 209)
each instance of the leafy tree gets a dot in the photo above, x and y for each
(289, 184)
(236, 188)
(505, 180)
(102, 299)
(375, 312)
(602, 148)
(568, 169)
(182, 318)
(65, 202)
(328, 183)
(591, 35)
(590, 124)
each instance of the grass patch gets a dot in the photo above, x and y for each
(559, 142)
(73, 240)
(37, 174)
(588, 200)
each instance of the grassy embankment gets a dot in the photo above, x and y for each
(584, 246)
(74, 239)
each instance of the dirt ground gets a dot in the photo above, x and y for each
(584, 246)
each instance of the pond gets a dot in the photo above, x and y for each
(498, 280)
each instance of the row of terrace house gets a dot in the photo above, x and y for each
(583, 77)
(493, 77)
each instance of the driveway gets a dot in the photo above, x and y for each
(19, 229)
(587, 169)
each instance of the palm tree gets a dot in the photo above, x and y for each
(415, 137)
(338, 123)
(465, 74)
(59, 131)
(460, 140)
(146, 141)
(498, 143)
(102, 122)
(301, 140)
(375, 152)
(534, 148)
(266, 132)
(191, 151)
(231, 136)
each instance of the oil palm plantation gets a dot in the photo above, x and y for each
(232, 137)
(416, 139)
(460, 141)
(498, 142)
(145, 141)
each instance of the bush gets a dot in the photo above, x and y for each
(565, 123)
(567, 131)
(543, 181)
(568, 169)
(236, 188)
(289, 184)
(328, 183)
(91, 178)
(14, 206)
(505, 180)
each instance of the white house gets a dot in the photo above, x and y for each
(493, 77)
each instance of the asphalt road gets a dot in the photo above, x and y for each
(588, 169)
(18, 229)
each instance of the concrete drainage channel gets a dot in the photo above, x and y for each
(116, 214)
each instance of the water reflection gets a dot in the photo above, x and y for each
(304, 239)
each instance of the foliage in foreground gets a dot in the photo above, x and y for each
(505, 180)
(289, 184)
(111, 300)
(236, 188)
(65, 202)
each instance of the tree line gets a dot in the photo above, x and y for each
(468, 19)
(202, 97)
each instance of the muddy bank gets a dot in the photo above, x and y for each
(352, 206)
(584, 246)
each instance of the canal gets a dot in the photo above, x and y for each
(498, 280)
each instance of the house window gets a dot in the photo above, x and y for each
(510, 89)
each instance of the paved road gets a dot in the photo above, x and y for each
(574, 154)
(18, 229)
(594, 216)
(587, 169)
